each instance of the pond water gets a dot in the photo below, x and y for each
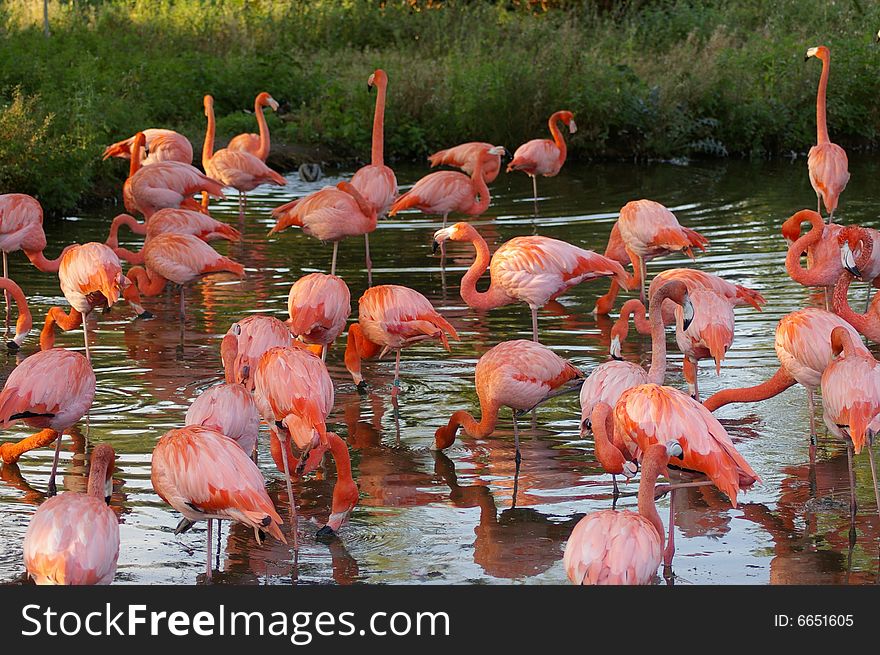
(449, 517)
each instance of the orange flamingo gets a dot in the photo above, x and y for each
(826, 161)
(544, 156)
(161, 145)
(319, 305)
(444, 192)
(238, 169)
(230, 410)
(244, 345)
(256, 144)
(91, 278)
(73, 539)
(465, 156)
(331, 214)
(205, 475)
(25, 322)
(531, 269)
(615, 547)
(392, 317)
(51, 390)
(180, 258)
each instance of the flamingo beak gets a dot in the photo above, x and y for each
(273, 104)
(848, 259)
(435, 246)
(614, 350)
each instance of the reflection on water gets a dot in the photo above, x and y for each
(452, 517)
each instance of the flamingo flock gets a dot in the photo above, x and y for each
(275, 372)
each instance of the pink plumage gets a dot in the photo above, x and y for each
(331, 214)
(607, 383)
(21, 223)
(166, 184)
(182, 258)
(230, 410)
(465, 156)
(162, 145)
(544, 156)
(244, 345)
(394, 316)
(319, 305)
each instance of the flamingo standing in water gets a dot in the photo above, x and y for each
(230, 410)
(244, 345)
(51, 390)
(180, 258)
(238, 169)
(161, 145)
(392, 317)
(615, 547)
(857, 255)
(826, 161)
(178, 221)
(256, 144)
(331, 214)
(465, 156)
(544, 156)
(25, 322)
(91, 278)
(530, 269)
(73, 539)
(205, 475)
(319, 305)
(375, 181)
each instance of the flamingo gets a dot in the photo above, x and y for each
(178, 221)
(180, 258)
(544, 156)
(392, 317)
(91, 278)
(25, 322)
(51, 390)
(465, 157)
(375, 181)
(650, 230)
(856, 258)
(803, 346)
(238, 169)
(444, 192)
(164, 184)
(614, 547)
(205, 475)
(230, 410)
(244, 345)
(331, 214)
(73, 539)
(530, 269)
(294, 394)
(519, 374)
(256, 144)
(826, 161)
(161, 145)
(851, 399)
(319, 305)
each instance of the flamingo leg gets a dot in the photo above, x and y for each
(517, 458)
(324, 353)
(874, 474)
(395, 388)
(85, 322)
(868, 297)
(52, 489)
(6, 293)
(853, 505)
(811, 405)
(293, 520)
(209, 540)
(615, 493)
(669, 553)
(219, 539)
(535, 324)
(182, 305)
(535, 192)
(643, 275)
(333, 261)
(369, 261)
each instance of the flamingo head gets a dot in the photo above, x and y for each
(265, 100)
(567, 118)
(877, 37)
(791, 228)
(378, 76)
(102, 466)
(345, 497)
(820, 52)
(614, 350)
(208, 102)
(458, 232)
(229, 355)
(856, 247)
(687, 312)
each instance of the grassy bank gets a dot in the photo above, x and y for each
(646, 79)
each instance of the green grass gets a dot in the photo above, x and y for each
(646, 79)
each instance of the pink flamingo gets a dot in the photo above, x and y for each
(256, 144)
(826, 161)
(230, 410)
(319, 305)
(179, 258)
(178, 221)
(234, 168)
(244, 345)
(857, 255)
(25, 322)
(444, 192)
(73, 539)
(615, 547)
(392, 317)
(530, 269)
(204, 475)
(544, 156)
(375, 181)
(50, 390)
(161, 145)
(465, 157)
(331, 214)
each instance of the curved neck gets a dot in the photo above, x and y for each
(39, 260)
(636, 309)
(25, 322)
(363, 205)
(146, 282)
(657, 372)
(378, 153)
(821, 124)
(208, 147)
(840, 303)
(607, 453)
(123, 219)
(482, 428)
(779, 382)
(265, 144)
(137, 154)
(98, 478)
(494, 296)
(479, 186)
(652, 466)
(801, 275)
(129, 256)
(557, 137)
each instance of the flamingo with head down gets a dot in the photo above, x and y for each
(230, 410)
(244, 345)
(319, 306)
(465, 156)
(161, 145)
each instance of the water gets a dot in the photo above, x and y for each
(425, 517)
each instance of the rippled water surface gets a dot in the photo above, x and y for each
(450, 517)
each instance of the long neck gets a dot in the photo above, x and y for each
(651, 467)
(557, 137)
(378, 153)
(779, 382)
(208, 147)
(479, 186)
(636, 309)
(840, 303)
(494, 297)
(821, 124)
(129, 256)
(137, 152)
(485, 426)
(265, 144)
(97, 478)
(123, 219)
(39, 260)
(146, 282)
(657, 372)
(607, 453)
(811, 276)
(25, 321)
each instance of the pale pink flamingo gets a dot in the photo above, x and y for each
(465, 157)
(617, 547)
(73, 539)
(318, 305)
(25, 322)
(544, 156)
(826, 161)
(91, 278)
(234, 168)
(331, 214)
(230, 410)
(392, 317)
(256, 144)
(530, 269)
(161, 145)
(205, 475)
(376, 182)
(181, 259)
(51, 390)
(244, 345)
